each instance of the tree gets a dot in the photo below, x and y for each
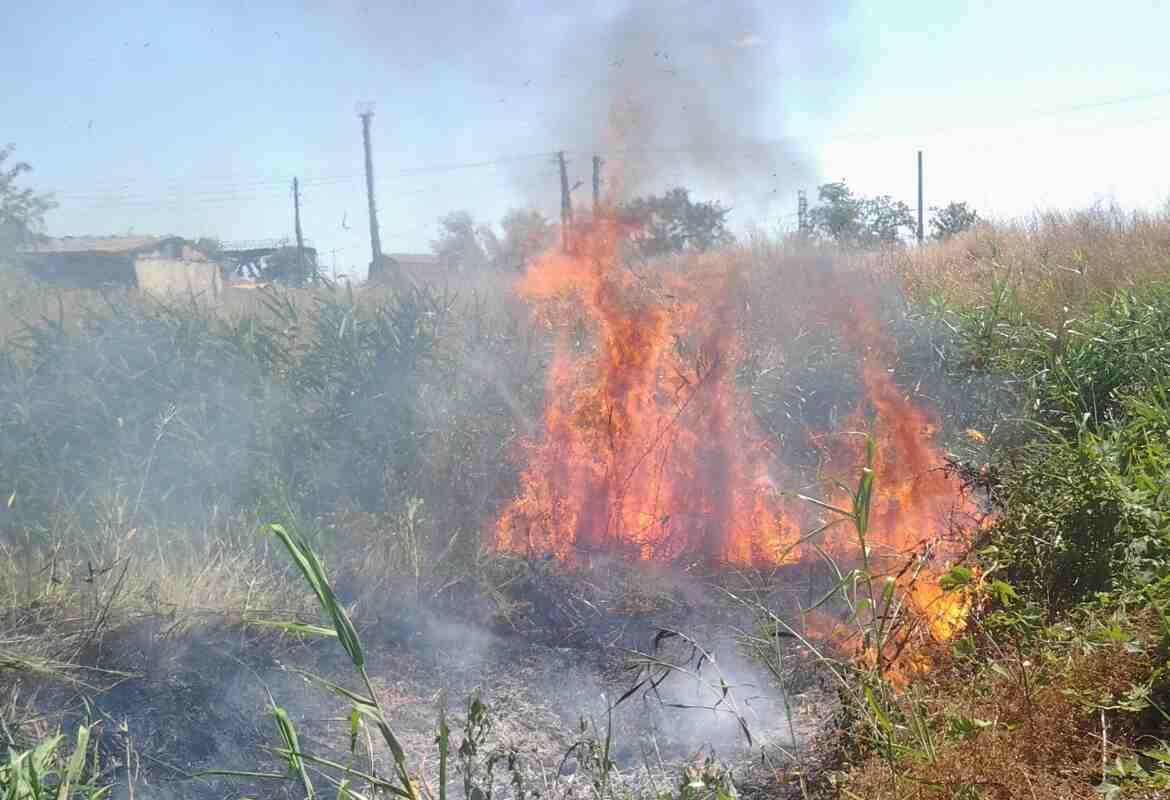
(460, 244)
(527, 234)
(951, 220)
(862, 222)
(22, 211)
(838, 217)
(673, 223)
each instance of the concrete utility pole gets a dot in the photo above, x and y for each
(919, 197)
(566, 204)
(597, 187)
(375, 238)
(801, 212)
(300, 236)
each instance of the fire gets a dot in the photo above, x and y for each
(650, 450)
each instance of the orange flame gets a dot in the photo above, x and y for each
(650, 450)
(647, 447)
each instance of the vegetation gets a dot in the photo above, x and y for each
(858, 222)
(464, 246)
(145, 443)
(951, 220)
(867, 223)
(1059, 686)
(22, 210)
(22, 219)
(673, 223)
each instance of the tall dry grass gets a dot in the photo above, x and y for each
(1044, 264)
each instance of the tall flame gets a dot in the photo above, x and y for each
(650, 449)
(647, 448)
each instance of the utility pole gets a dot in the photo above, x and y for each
(801, 212)
(596, 187)
(375, 239)
(566, 204)
(300, 236)
(919, 197)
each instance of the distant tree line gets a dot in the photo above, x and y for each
(664, 224)
(859, 222)
(672, 222)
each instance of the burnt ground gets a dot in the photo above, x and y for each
(569, 645)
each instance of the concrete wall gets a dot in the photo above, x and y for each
(170, 277)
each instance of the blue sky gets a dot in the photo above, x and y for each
(194, 118)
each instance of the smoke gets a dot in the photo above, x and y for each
(675, 92)
(693, 93)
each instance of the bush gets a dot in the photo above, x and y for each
(174, 413)
(1089, 512)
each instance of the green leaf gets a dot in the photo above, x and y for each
(299, 628)
(288, 733)
(314, 573)
(964, 647)
(1003, 593)
(878, 712)
(75, 766)
(956, 577)
(1106, 789)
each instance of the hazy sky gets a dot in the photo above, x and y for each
(194, 118)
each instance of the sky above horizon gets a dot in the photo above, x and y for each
(193, 119)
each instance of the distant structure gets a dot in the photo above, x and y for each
(163, 265)
(248, 263)
(413, 267)
(384, 271)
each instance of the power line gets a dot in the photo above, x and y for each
(330, 179)
(210, 198)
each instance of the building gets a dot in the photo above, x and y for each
(253, 263)
(417, 267)
(162, 265)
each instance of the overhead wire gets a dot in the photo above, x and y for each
(178, 192)
(180, 186)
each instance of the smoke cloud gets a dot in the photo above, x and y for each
(693, 93)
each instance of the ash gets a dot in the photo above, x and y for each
(641, 667)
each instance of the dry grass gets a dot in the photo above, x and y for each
(24, 302)
(1036, 737)
(1048, 263)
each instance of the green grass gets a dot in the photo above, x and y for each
(49, 771)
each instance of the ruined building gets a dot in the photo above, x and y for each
(162, 265)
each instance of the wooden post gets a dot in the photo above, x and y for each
(301, 276)
(596, 187)
(919, 197)
(375, 238)
(566, 204)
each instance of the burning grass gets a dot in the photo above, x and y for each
(651, 447)
(510, 493)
